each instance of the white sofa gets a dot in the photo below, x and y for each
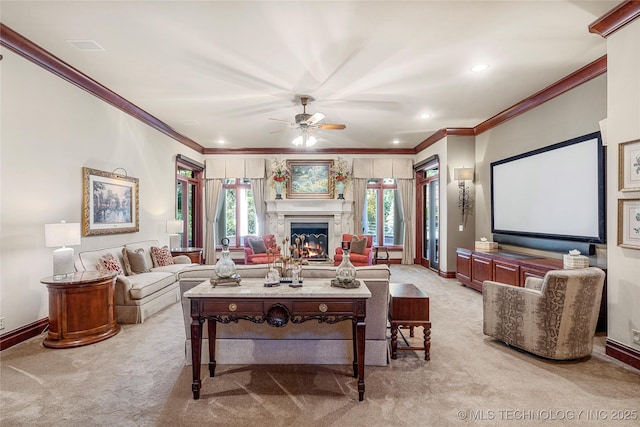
(306, 343)
(139, 296)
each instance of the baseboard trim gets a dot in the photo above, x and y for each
(23, 333)
(625, 354)
(448, 274)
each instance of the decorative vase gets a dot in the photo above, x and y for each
(225, 267)
(346, 272)
(340, 188)
(278, 190)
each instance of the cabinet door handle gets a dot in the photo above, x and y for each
(323, 307)
(233, 307)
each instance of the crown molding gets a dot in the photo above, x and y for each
(276, 151)
(616, 18)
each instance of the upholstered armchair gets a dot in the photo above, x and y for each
(255, 249)
(360, 255)
(554, 317)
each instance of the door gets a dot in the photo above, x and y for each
(427, 229)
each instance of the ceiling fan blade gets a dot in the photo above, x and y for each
(283, 121)
(329, 126)
(314, 119)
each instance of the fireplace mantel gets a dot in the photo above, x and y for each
(338, 213)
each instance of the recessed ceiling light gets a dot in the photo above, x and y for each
(395, 141)
(480, 67)
(425, 116)
(221, 141)
(86, 45)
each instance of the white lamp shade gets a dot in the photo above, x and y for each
(175, 226)
(62, 234)
(463, 174)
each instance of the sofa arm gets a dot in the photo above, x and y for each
(181, 259)
(123, 286)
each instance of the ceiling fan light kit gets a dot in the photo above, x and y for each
(307, 123)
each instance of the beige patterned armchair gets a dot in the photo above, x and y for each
(554, 317)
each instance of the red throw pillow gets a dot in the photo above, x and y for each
(109, 263)
(161, 256)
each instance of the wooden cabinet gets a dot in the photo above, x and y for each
(195, 254)
(474, 267)
(81, 309)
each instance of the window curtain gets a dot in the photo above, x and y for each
(359, 197)
(213, 190)
(257, 186)
(406, 189)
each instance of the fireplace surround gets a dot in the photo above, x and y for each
(336, 213)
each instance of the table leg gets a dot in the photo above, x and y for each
(360, 333)
(411, 331)
(427, 342)
(211, 329)
(394, 340)
(354, 335)
(196, 351)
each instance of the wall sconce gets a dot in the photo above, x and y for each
(464, 198)
(175, 227)
(62, 234)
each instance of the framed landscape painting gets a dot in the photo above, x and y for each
(629, 166)
(629, 223)
(310, 179)
(109, 203)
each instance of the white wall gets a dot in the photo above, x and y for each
(623, 103)
(50, 129)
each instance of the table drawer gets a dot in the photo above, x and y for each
(321, 307)
(233, 307)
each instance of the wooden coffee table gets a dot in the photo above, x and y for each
(408, 306)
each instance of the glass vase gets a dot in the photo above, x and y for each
(225, 267)
(346, 272)
(340, 189)
(278, 190)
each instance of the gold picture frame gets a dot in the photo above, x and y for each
(629, 223)
(629, 166)
(109, 203)
(310, 179)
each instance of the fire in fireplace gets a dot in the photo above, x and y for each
(316, 238)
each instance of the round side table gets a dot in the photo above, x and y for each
(81, 309)
(195, 254)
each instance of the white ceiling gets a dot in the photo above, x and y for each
(219, 70)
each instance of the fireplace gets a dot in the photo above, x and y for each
(316, 239)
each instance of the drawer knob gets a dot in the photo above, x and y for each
(323, 307)
(233, 307)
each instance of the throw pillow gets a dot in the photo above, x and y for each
(161, 256)
(257, 246)
(358, 245)
(134, 261)
(109, 263)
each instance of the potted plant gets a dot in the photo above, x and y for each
(341, 174)
(280, 175)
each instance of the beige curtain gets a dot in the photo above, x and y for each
(257, 186)
(406, 190)
(213, 190)
(359, 196)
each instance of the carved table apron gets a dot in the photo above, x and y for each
(275, 306)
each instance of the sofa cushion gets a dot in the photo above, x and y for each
(161, 256)
(143, 285)
(257, 246)
(358, 245)
(109, 263)
(135, 261)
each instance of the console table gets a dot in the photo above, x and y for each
(195, 254)
(275, 306)
(81, 309)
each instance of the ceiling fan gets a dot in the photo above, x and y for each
(307, 123)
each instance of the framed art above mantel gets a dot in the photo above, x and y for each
(109, 203)
(310, 179)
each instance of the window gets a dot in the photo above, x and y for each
(384, 212)
(237, 212)
(189, 200)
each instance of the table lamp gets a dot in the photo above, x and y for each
(62, 234)
(174, 228)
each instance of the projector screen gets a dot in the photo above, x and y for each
(556, 192)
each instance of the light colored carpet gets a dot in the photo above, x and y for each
(138, 378)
